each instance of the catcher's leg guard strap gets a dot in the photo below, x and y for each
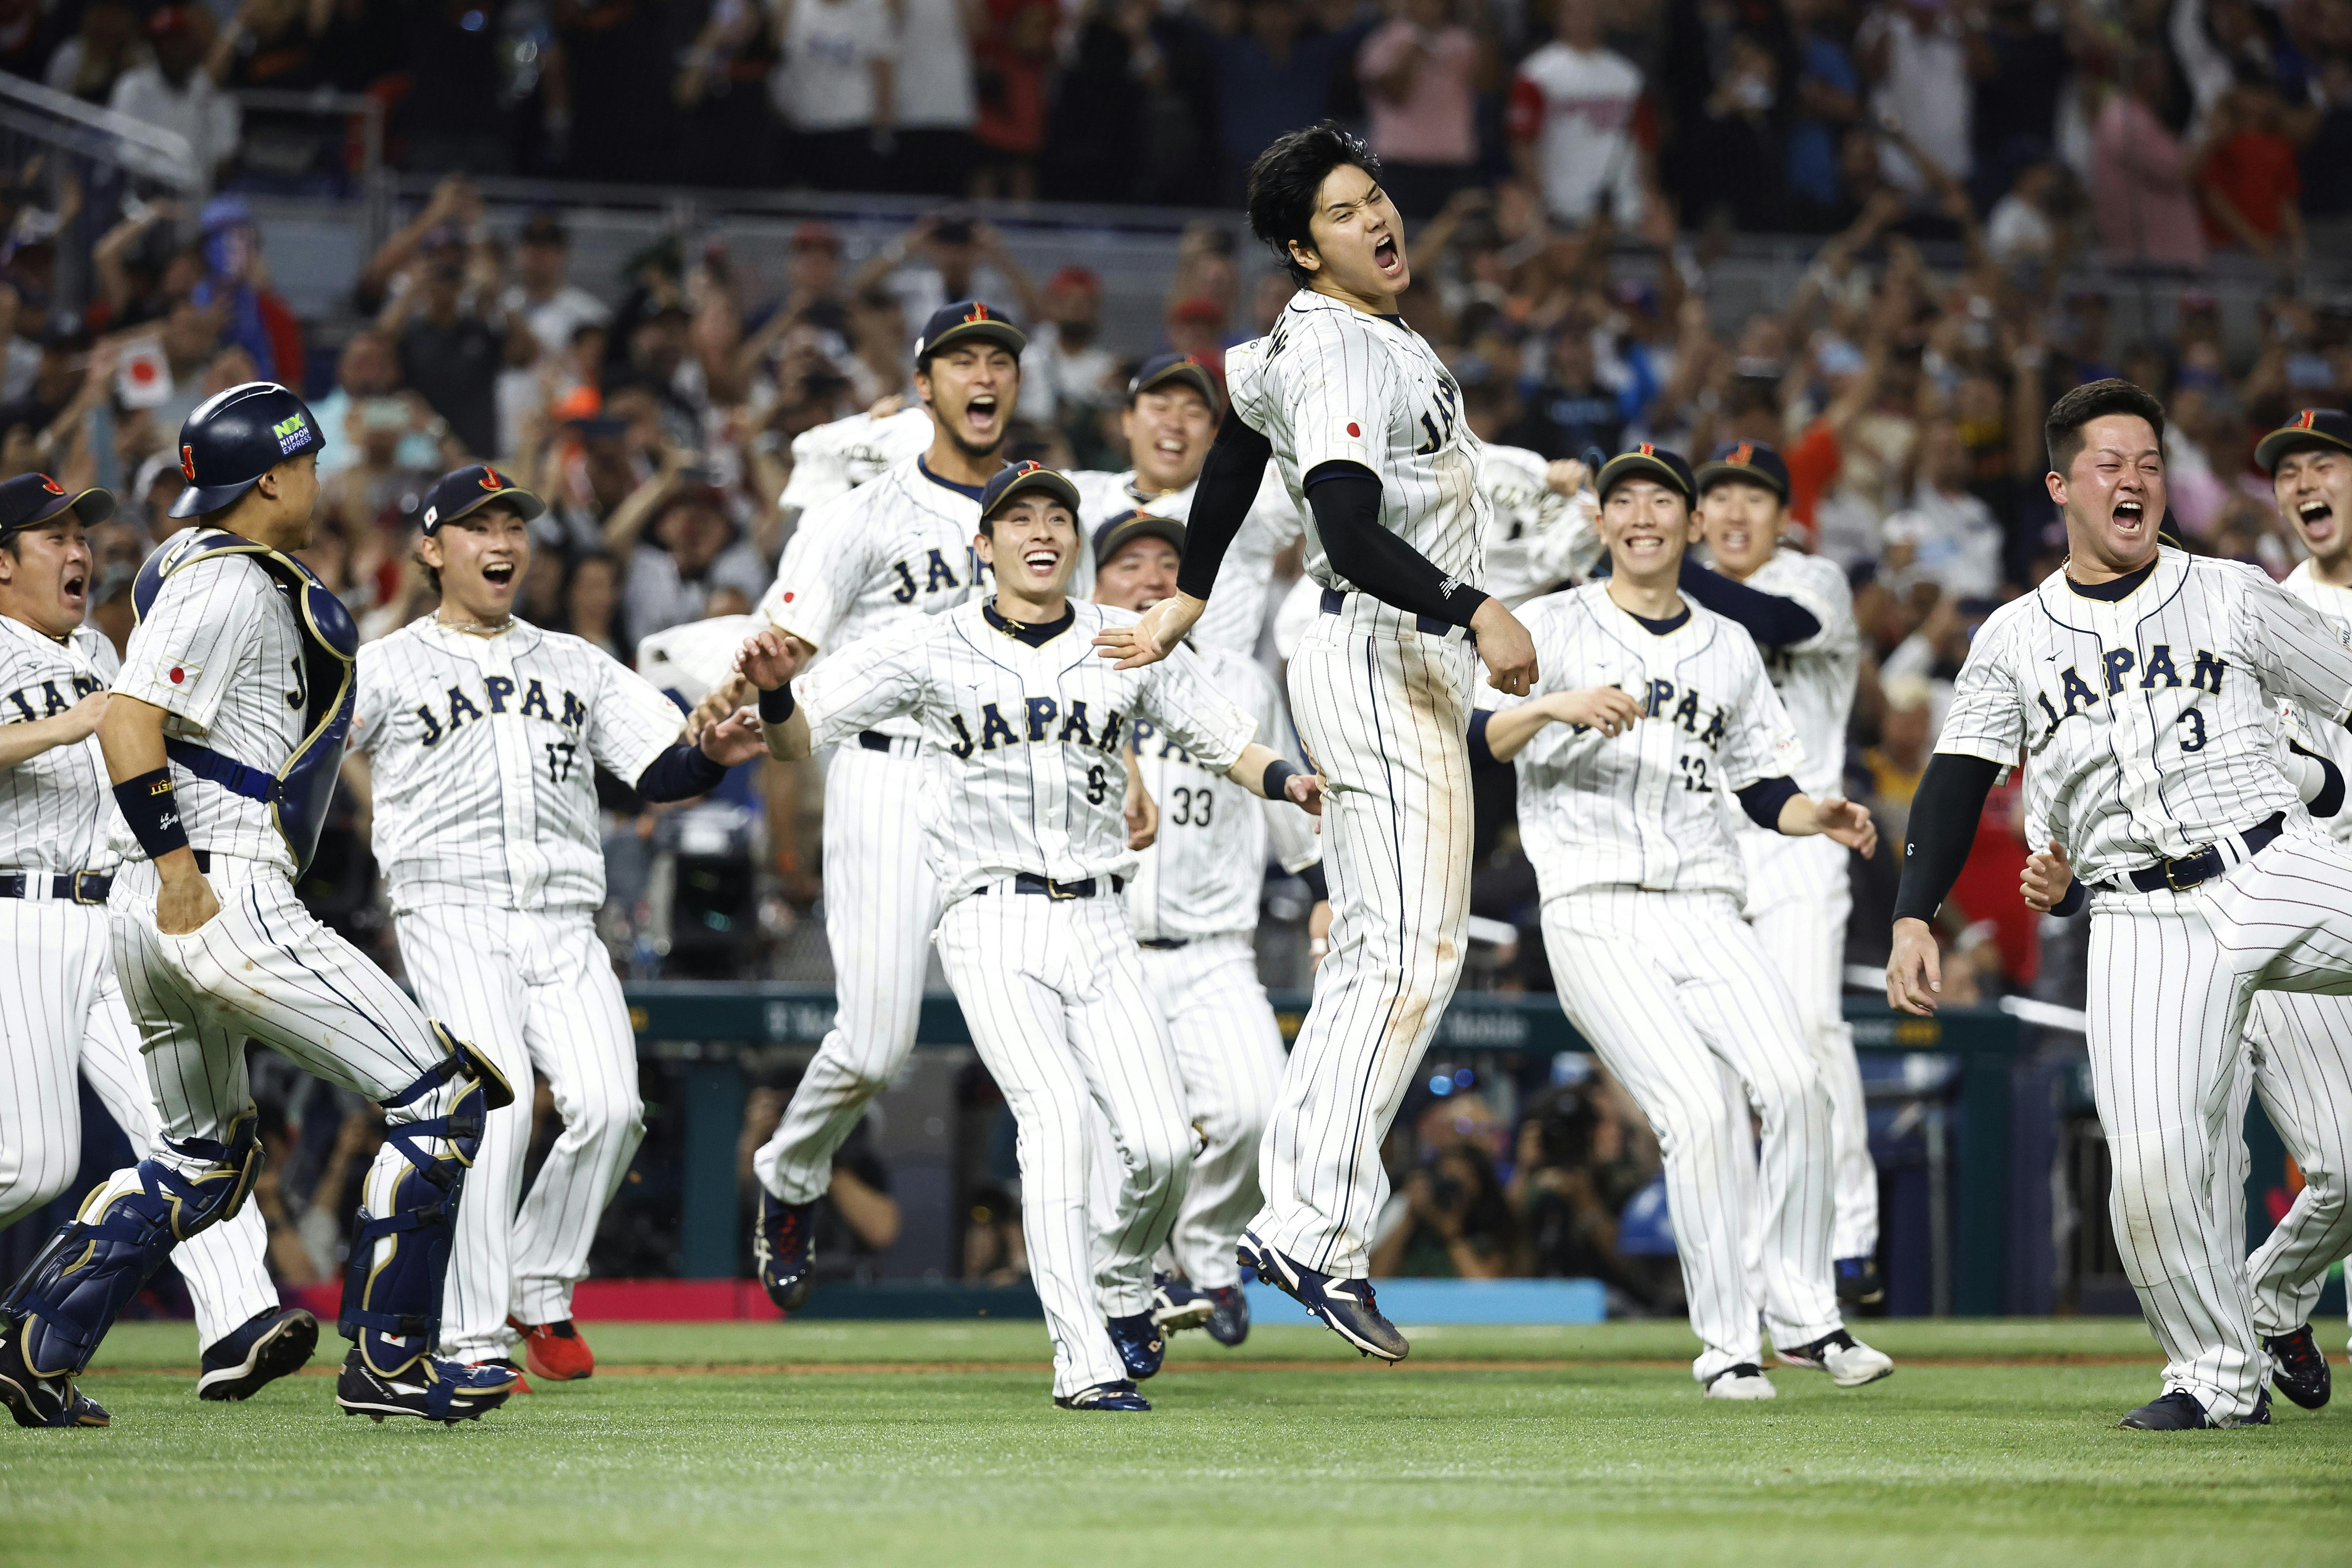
(68, 1299)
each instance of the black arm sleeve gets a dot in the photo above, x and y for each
(1770, 619)
(2330, 798)
(1482, 755)
(1943, 830)
(1316, 882)
(1346, 499)
(680, 773)
(2076, 896)
(1230, 477)
(1763, 799)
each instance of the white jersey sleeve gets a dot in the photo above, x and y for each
(55, 807)
(1986, 716)
(860, 686)
(2298, 656)
(185, 653)
(1763, 743)
(630, 723)
(834, 460)
(1179, 696)
(827, 564)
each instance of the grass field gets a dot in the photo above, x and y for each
(934, 1444)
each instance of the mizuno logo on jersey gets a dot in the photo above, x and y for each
(937, 575)
(1039, 720)
(498, 695)
(51, 701)
(2114, 670)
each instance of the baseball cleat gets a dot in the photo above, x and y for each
(2177, 1410)
(36, 1401)
(1745, 1381)
(1120, 1396)
(429, 1389)
(1346, 1306)
(1858, 1284)
(782, 1249)
(1849, 1362)
(1229, 1320)
(1140, 1347)
(2298, 1367)
(1175, 1305)
(555, 1350)
(259, 1350)
(506, 1364)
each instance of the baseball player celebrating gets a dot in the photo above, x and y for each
(1649, 712)
(68, 1011)
(483, 734)
(2141, 683)
(879, 562)
(1021, 806)
(222, 737)
(1364, 421)
(1193, 904)
(1800, 611)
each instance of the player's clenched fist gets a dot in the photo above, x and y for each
(1914, 969)
(2047, 876)
(769, 658)
(1504, 644)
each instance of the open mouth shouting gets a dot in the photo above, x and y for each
(1388, 257)
(2317, 519)
(983, 417)
(2130, 519)
(1040, 564)
(499, 573)
(74, 590)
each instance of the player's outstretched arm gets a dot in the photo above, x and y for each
(1160, 631)
(1263, 773)
(769, 659)
(23, 742)
(130, 733)
(1603, 708)
(1222, 499)
(1943, 829)
(1833, 816)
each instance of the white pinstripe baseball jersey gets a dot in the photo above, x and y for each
(1020, 745)
(1237, 606)
(485, 752)
(1538, 538)
(1644, 809)
(1815, 678)
(832, 459)
(1202, 877)
(2149, 722)
(55, 809)
(1331, 384)
(2330, 741)
(220, 653)
(883, 558)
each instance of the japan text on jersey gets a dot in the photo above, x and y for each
(54, 808)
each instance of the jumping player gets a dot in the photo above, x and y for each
(2141, 684)
(222, 737)
(483, 734)
(67, 1011)
(1022, 813)
(1365, 422)
(1193, 904)
(1800, 611)
(1651, 712)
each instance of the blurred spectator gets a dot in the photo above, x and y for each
(592, 604)
(727, 131)
(1573, 105)
(834, 90)
(1915, 56)
(1569, 412)
(682, 551)
(1012, 57)
(1423, 73)
(2248, 180)
(1896, 765)
(1945, 534)
(254, 316)
(1197, 327)
(936, 105)
(1065, 371)
(449, 351)
(2025, 224)
(945, 256)
(1827, 103)
(542, 294)
(2140, 175)
(1272, 77)
(1457, 1223)
(107, 46)
(1573, 1172)
(173, 91)
(2326, 161)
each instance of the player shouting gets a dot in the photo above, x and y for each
(1651, 711)
(2140, 682)
(1021, 804)
(484, 733)
(1365, 422)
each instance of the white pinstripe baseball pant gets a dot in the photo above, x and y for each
(66, 1013)
(881, 903)
(1679, 998)
(2298, 1058)
(1800, 892)
(1384, 712)
(1061, 1015)
(2172, 976)
(532, 989)
(264, 969)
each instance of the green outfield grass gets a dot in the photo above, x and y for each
(934, 1444)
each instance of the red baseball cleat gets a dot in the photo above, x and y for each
(555, 1350)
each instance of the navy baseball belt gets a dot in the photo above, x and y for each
(1029, 882)
(65, 887)
(2186, 870)
(1335, 601)
(1165, 943)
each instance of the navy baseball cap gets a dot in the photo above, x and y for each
(1129, 526)
(968, 321)
(29, 501)
(1021, 479)
(1161, 369)
(235, 436)
(2310, 427)
(469, 488)
(1647, 461)
(1747, 463)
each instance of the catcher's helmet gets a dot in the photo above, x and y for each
(235, 436)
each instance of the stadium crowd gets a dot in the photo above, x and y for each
(1569, 170)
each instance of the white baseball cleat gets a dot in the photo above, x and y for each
(1849, 1362)
(1745, 1381)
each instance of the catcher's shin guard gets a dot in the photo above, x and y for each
(66, 1301)
(392, 1289)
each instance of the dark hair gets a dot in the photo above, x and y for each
(1284, 180)
(2062, 433)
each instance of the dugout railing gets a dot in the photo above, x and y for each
(703, 1031)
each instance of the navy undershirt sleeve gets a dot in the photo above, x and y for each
(1943, 829)
(1763, 799)
(680, 773)
(1346, 500)
(1228, 486)
(1770, 618)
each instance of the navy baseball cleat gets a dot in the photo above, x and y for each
(430, 1389)
(259, 1350)
(1140, 1348)
(2177, 1410)
(2299, 1367)
(1176, 1305)
(1229, 1318)
(1120, 1396)
(36, 1401)
(782, 1249)
(1858, 1284)
(1346, 1306)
